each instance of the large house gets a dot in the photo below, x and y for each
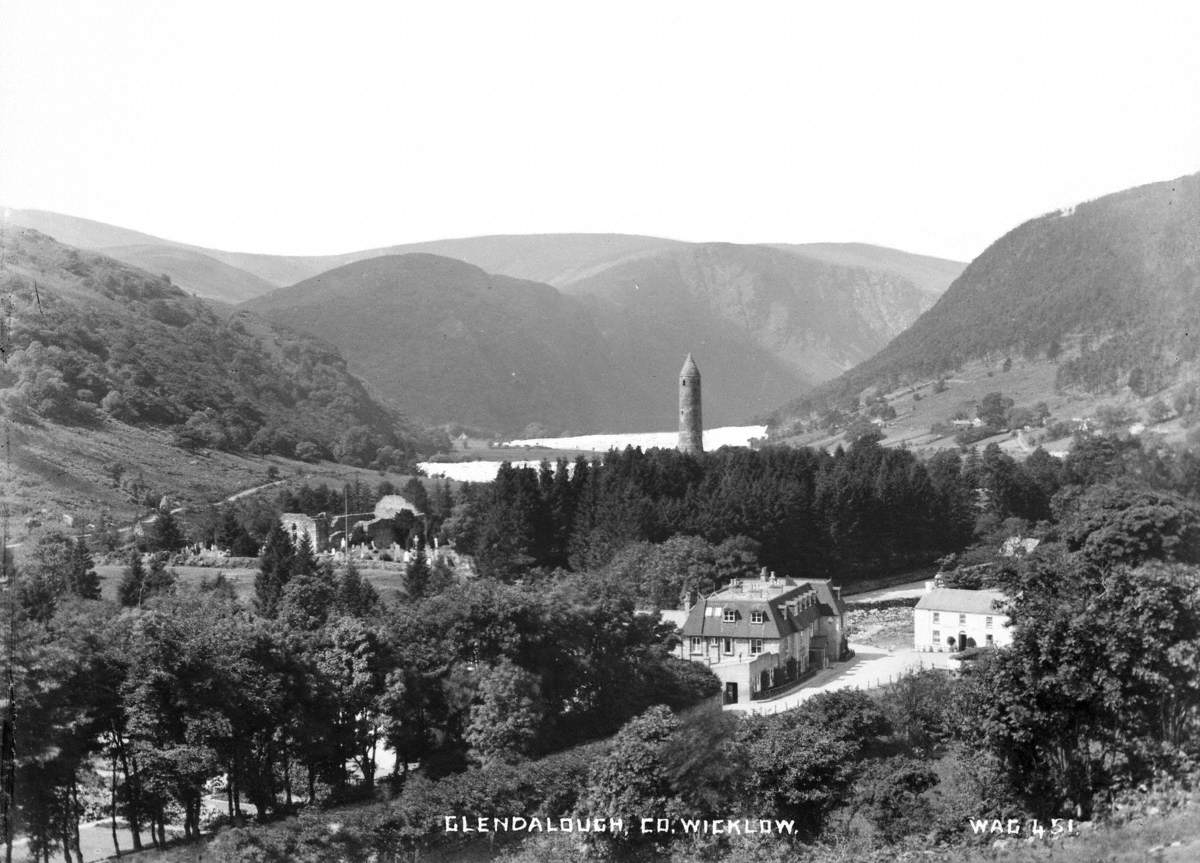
(762, 633)
(953, 619)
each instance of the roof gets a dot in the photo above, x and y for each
(745, 596)
(390, 504)
(831, 604)
(690, 369)
(962, 601)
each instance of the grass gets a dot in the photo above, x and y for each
(62, 471)
(1026, 383)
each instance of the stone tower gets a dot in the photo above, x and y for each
(691, 426)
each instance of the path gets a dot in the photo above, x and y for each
(871, 667)
(897, 591)
(237, 495)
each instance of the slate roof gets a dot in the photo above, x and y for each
(831, 604)
(707, 617)
(961, 601)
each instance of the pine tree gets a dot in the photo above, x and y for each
(355, 596)
(83, 580)
(133, 577)
(415, 491)
(167, 535)
(274, 570)
(416, 575)
(228, 530)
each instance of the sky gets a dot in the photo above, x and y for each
(314, 128)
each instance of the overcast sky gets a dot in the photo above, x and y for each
(318, 128)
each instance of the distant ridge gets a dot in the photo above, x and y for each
(555, 259)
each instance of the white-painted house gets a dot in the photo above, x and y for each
(952, 619)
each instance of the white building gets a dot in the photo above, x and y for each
(951, 619)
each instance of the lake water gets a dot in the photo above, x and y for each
(485, 470)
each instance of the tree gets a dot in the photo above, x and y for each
(506, 716)
(138, 585)
(274, 570)
(414, 491)
(356, 597)
(1100, 685)
(889, 793)
(82, 579)
(796, 768)
(993, 408)
(633, 777)
(416, 575)
(166, 534)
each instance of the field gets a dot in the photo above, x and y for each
(1027, 382)
(62, 477)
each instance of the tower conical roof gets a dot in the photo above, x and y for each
(690, 369)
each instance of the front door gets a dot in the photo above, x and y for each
(962, 641)
(731, 693)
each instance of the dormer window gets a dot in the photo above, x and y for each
(758, 616)
(730, 615)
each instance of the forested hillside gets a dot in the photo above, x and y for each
(1110, 288)
(92, 341)
(449, 342)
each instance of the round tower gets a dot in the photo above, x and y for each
(691, 426)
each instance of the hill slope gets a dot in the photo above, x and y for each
(819, 319)
(931, 275)
(92, 341)
(194, 272)
(1117, 280)
(451, 342)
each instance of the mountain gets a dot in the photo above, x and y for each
(194, 272)
(767, 321)
(94, 342)
(450, 342)
(1109, 290)
(817, 318)
(549, 258)
(555, 259)
(931, 275)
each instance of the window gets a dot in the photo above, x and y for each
(962, 620)
(758, 617)
(697, 644)
(987, 621)
(730, 615)
(755, 646)
(937, 617)
(729, 645)
(937, 637)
